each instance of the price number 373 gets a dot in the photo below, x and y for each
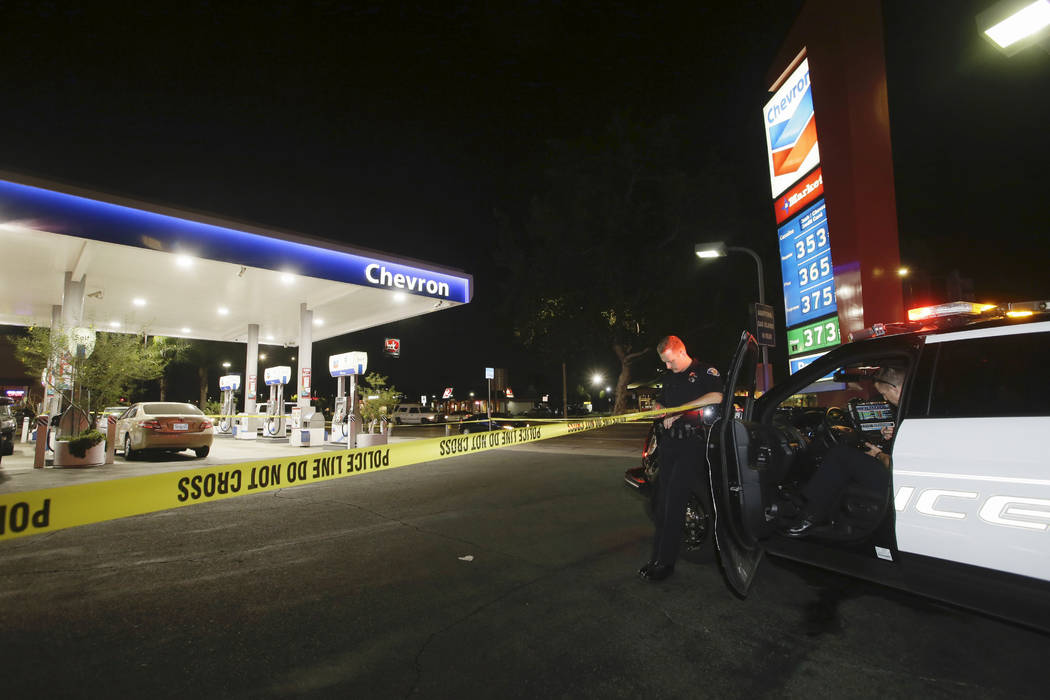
(825, 334)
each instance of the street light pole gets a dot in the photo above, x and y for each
(718, 250)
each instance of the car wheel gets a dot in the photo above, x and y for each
(697, 542)
(129, 454)
(201, 452)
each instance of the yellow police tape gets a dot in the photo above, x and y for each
(47, 510)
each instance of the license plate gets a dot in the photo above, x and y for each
(180, 426)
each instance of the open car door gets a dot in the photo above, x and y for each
(735, 487)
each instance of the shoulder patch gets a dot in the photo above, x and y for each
(712, 371)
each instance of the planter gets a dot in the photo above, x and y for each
(370, 439)
(95, 456)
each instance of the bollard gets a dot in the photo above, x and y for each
(41, 441)
(111, 438)
(448, 429)
(25, 429)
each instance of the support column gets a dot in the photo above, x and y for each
(72, 302)
(306, 343)
(52, 396)
(251, 369)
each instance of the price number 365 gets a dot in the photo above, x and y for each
(815, 271)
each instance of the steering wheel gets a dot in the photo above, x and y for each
(838, 427)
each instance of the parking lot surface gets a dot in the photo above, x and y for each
(503, 574)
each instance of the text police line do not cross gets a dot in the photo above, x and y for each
(47, 510)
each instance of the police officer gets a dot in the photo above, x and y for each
(689, 383)
(843, 465)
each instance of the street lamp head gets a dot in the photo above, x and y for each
(903, 272)
(597, 379)
(717, 249)
(1013, 25)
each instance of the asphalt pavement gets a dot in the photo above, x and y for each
(504, 574)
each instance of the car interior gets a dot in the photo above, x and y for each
(841, 408)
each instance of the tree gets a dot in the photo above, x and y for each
(106, 375)
(597, 264)
(379, 401)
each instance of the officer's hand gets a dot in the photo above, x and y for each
(669, 421)
(876, 452)
(887, 432)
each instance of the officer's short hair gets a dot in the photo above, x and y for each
(671, 342)
(894, 376)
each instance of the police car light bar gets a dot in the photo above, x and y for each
(954, 308)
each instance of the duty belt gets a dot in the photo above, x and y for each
(679, 431)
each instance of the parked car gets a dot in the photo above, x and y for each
(415, 413)
(164, 426)
(8, 425)
(456, 416)
(481, 423)
(540, 412)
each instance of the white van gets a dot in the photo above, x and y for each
(414, 413)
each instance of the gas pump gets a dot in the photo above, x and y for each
(348, 365)
(229, 384)
(275, 378)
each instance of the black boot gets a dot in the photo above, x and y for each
(655, 571)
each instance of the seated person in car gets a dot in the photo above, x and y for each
(868, 466)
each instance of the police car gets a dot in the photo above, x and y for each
(967, 516)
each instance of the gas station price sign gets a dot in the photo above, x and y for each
(814, 336)
(805, 265)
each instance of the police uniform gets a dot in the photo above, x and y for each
(680, 455)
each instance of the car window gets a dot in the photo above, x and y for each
(159, 409)
(850, 387)
(994, 376)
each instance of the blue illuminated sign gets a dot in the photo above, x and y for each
(57, 212)
(797, 363)
(805, 265)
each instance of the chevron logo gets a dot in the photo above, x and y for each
(792, 139)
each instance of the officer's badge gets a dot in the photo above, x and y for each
(712, 371)
(692, 377)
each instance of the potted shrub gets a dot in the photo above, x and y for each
(87, 449)
(378, 402)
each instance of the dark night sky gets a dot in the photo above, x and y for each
(401, 128)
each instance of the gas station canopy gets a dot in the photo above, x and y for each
(166, 272)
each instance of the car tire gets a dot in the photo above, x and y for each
(8, 447)
(202, 452)
(698, 544)
(129, 454)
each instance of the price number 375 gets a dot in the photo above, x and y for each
(817, 299)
